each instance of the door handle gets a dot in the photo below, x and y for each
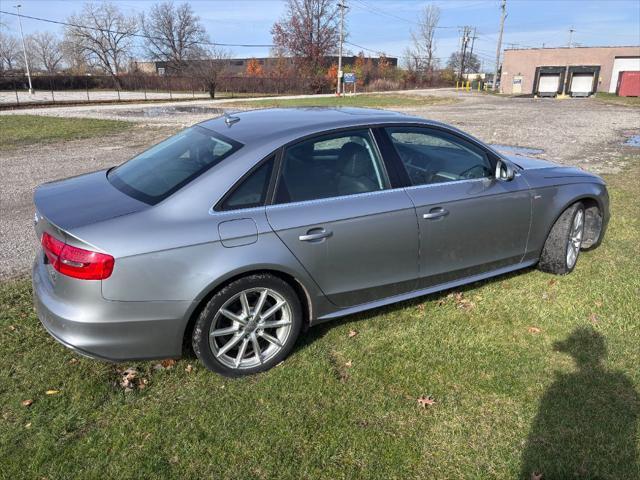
(436, 213)
(315, 234)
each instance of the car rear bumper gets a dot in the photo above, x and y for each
(108, 330)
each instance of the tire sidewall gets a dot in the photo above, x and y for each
(200, 336)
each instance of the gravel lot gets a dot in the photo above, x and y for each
(582, 132)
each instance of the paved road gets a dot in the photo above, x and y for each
(574, 132)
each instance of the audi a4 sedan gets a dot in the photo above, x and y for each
(238, 233)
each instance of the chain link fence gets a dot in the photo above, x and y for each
(77, 89)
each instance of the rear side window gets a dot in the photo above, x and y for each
(334, 165)
(162, 170)
(432, 156)
(252, 191)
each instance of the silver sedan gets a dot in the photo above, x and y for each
(237, 234)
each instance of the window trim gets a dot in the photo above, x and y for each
(370, 129)
(398, 164)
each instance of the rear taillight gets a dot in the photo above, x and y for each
(77, 262)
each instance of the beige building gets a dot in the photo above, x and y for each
(577, 71)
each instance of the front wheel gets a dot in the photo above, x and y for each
(561, 250)
(249, 326)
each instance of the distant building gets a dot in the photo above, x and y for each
(576, 71)
(236, 66)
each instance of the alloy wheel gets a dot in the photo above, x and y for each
(575, 238)
(250, 328)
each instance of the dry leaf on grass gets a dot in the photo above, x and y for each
(552, 282)
(52, 392)
(74, 361)
(426, 401)
(534, 330)
(352, 333)
(189, 368)
(130, 379)
(463, 302)
(27, 403)
(168, 363)
(349, 364)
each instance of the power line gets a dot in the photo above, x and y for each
(380, 12)
(138, 35)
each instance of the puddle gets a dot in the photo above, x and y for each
(155, 112)
(633, 141)
(522, 151)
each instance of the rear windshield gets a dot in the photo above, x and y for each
(162, 170)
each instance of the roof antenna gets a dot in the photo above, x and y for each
(229, 120)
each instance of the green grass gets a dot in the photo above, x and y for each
(508, 398)
(360, 100)
(616, 100)
(20, 130)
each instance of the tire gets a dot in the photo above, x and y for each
(230, 329)
(565, 235)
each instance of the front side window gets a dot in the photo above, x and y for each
(432, 156)
(165, 168)
(334, 165)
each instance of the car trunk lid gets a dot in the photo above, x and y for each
(83, 200)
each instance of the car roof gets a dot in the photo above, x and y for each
(286, 123)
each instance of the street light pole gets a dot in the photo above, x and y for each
(24, 49)
(342, 6)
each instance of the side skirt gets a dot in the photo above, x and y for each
(425, 291)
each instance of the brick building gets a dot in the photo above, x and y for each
(576, 71)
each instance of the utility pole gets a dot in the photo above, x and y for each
(24, 49)
(503, 16)
(571, 30)
(463, 48)
(342, 6)
(473, 41)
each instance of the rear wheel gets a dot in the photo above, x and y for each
(248, 326)
(561, 250)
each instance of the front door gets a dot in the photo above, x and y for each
(470, 223)
(335, 212)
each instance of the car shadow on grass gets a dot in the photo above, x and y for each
(586, 426)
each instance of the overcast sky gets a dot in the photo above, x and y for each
(384, 25)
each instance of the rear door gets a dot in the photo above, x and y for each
(335, 210)
(470, 223)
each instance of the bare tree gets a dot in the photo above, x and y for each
(74, 57)
(208, 67)
(45, 51)
(10, 53)
(308, 31)
(104, 35)
(174, 34)
(422, 53)
(471, 62)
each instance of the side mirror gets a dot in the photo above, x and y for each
(504, 171)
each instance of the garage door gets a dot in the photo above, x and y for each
(549, 83)
(629, 64)
(581, 84)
